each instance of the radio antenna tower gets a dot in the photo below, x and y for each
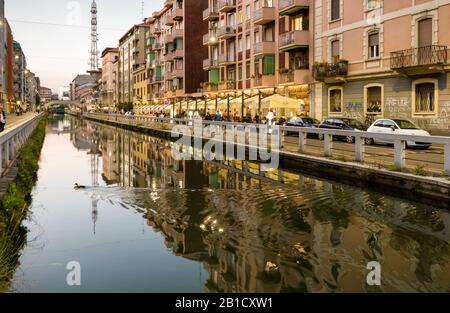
(94, 40)
(142, 9)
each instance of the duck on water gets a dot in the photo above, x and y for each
(77, 187)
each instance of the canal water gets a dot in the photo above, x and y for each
(147, 223)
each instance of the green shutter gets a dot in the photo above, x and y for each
(269, 64)
(214, 76)
(150, 57)
(158, 73)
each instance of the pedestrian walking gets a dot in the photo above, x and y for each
(2, 119)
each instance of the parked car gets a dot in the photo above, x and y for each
(401, 127)
(307, 122)
(342, 124)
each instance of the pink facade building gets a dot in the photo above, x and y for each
(375, 58)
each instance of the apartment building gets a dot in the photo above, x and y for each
(376, 58)
(174, 54)
(20, 71)
(109, 56)
(9, 68)
(45, 94)
(259, 48)
(3, 48)
(140, 87)
(131, 58)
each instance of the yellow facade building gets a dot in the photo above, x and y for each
(140, 89)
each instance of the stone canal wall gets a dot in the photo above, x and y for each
(423, 189)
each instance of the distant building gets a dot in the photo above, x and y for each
(3, 48)
(45, 94)
(20, 68)
(84, 89)
(131, 58)
(31, 90)
(55, 97)
(109, 57)
(9, 69)
(64, 93)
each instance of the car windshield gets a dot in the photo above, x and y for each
(311, 121)
(404, 124)
(353, 123)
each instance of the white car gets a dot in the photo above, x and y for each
(397, 126)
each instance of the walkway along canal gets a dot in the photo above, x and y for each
(149, 223)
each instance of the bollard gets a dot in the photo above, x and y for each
(360, 147)
(399, 153)
(447, 159)
(328, 145)
(302, 137)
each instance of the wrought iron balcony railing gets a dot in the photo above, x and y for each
(422, 56)
(321, 71)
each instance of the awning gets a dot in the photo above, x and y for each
(280, 102)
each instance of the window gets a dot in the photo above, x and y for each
(374, 99)
(269, 65)
(374, 45)
(424, 97)
(240, 72)
(247, 42)
(335, 50)
(335, 100)
(335, 9)
(247, 71)
(425, 32)
(373, 4)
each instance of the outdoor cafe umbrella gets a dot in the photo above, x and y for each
(280, 102)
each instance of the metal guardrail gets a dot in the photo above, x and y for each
(421, 56)
(11, 140)
(399, 140)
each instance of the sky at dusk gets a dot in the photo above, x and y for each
(56, 53)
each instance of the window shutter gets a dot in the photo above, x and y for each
(425, 32)
(269, 65)
(335, 48)
(335, 9)
(214, 76)
(374, 40)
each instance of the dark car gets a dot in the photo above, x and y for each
(342, 124)
(307, 122)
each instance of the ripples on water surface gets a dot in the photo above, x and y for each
(152, 224)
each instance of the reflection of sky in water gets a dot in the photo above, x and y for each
(223, 232)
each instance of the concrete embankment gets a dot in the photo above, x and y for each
(430, 190)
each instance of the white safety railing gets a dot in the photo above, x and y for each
(400, 141)
(11, 140)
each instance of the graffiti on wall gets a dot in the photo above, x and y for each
(354, 110)
(442, 121)
(397, 107)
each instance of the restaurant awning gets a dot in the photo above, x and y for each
(280, 102)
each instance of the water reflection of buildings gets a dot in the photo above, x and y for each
(278, 231)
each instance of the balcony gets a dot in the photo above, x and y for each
(169, 20)
(168, 38)
(210, 14)
(264, 15)
(227, 6)
(177, 73)
(168, 76)
(227, 59)
(226, 32)
(209, 87)
(210, 40)
(298, 76)
(287, 7)
(330, 72)
(227, 85)
(168, 57)
(156, 46)
(264, 47)
(177, 33)
(157, 29)
(178, 54)
(210, 63)
(422, 60)
(293, 40)
(177, 14)
(264, 81)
